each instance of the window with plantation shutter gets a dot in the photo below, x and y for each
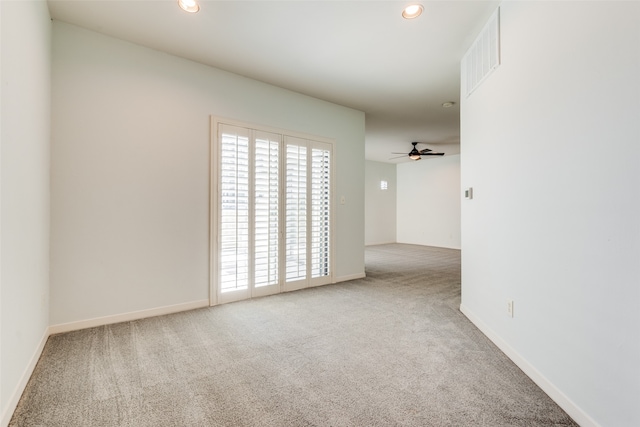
(271, 214)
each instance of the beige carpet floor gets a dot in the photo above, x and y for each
(392, 349)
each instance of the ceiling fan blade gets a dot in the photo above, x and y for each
(425, 150)
(404, 155)
(432, 154)
(401, 153)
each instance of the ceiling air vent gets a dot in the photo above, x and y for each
(484, 54)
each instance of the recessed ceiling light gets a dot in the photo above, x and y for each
(448, 104)
(190, 6)
(412, 11)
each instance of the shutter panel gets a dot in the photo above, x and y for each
(320, 211)
(266, 188)
(234, 212)
(296, 210)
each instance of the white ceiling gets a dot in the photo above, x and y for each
(361, 54)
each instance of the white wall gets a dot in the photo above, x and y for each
(24, 193)
(429, 202)
(380, 205)
(551, 145)
(130, 172)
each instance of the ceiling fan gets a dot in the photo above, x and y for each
(416, 154)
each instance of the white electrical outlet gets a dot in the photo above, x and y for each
(510, 307)
(343, 200)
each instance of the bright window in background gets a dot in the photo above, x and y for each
(383, 185)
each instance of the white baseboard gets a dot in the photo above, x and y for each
(547, 386)
(380, 243)
(458, 248)
(350, 277)
(24, 379)
(126, 317)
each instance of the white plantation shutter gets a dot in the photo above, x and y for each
(308, 210)
(234, 212)
(296, 210)
(320, 211)
(272, 214)
(266, 189)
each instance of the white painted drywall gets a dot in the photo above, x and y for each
(551, 146)
(380, 205)
(24, 195)
(429, 202)
(130, 172)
